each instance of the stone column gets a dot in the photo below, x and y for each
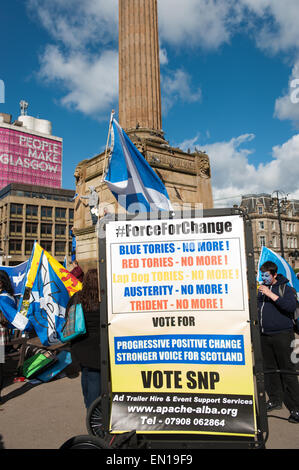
(139, 65)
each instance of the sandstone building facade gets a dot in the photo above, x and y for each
(265, 226)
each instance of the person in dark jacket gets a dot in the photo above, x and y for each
(77, 271)
(86, 348)
(276, 307)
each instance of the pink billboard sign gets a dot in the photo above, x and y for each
(29, 158)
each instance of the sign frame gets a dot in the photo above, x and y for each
(193, 441)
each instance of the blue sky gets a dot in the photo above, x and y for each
(228, 75)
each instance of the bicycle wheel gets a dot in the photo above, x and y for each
(94, 419)
(85, 442)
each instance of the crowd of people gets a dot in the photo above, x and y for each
(276, 306)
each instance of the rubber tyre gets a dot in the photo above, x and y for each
(85, 442)
(94, 419)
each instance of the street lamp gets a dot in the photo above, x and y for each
(279, 201)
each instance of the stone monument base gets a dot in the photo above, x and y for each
(186, 177)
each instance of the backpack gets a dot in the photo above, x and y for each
(281, 290)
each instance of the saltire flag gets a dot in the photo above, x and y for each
(48, 301)
(65, 262)
(9, 308)
(17, 275)
(50, 286)
(71, 282)
(131, 179)
(283, 267)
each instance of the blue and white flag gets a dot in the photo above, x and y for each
(17, 275)
(48, 301)
(131, 179)
(283, 267)
(9, 308)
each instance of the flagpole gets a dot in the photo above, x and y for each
(102, 181)
(106, 150)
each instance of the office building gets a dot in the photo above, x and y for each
(29, 213)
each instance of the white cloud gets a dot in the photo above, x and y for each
(177, 86)
(287, 106)
(233, 175)
(211, 23)
(282, 171)
(279, 28)
(82, 60)
(90, 88)
(75, 23)
(195, 22)
(163, 56)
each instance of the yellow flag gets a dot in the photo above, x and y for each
(71, 283)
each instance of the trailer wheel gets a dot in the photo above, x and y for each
(94, 419)
(85, 442)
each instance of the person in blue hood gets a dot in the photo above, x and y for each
(276, 306)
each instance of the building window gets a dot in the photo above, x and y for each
(274, 241)
(71, 215)
(262, 225)
(262, 241)
(46, 212)
(60, 213)
(46, 245)
(260, 210)
(31, 212)
(15, 228)
(15, 247)
(31, 229)
(60, 231)
(273, 225)
(59, 248)
(292, 242)
(46, 230)
(28, 247)
(16, 210)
